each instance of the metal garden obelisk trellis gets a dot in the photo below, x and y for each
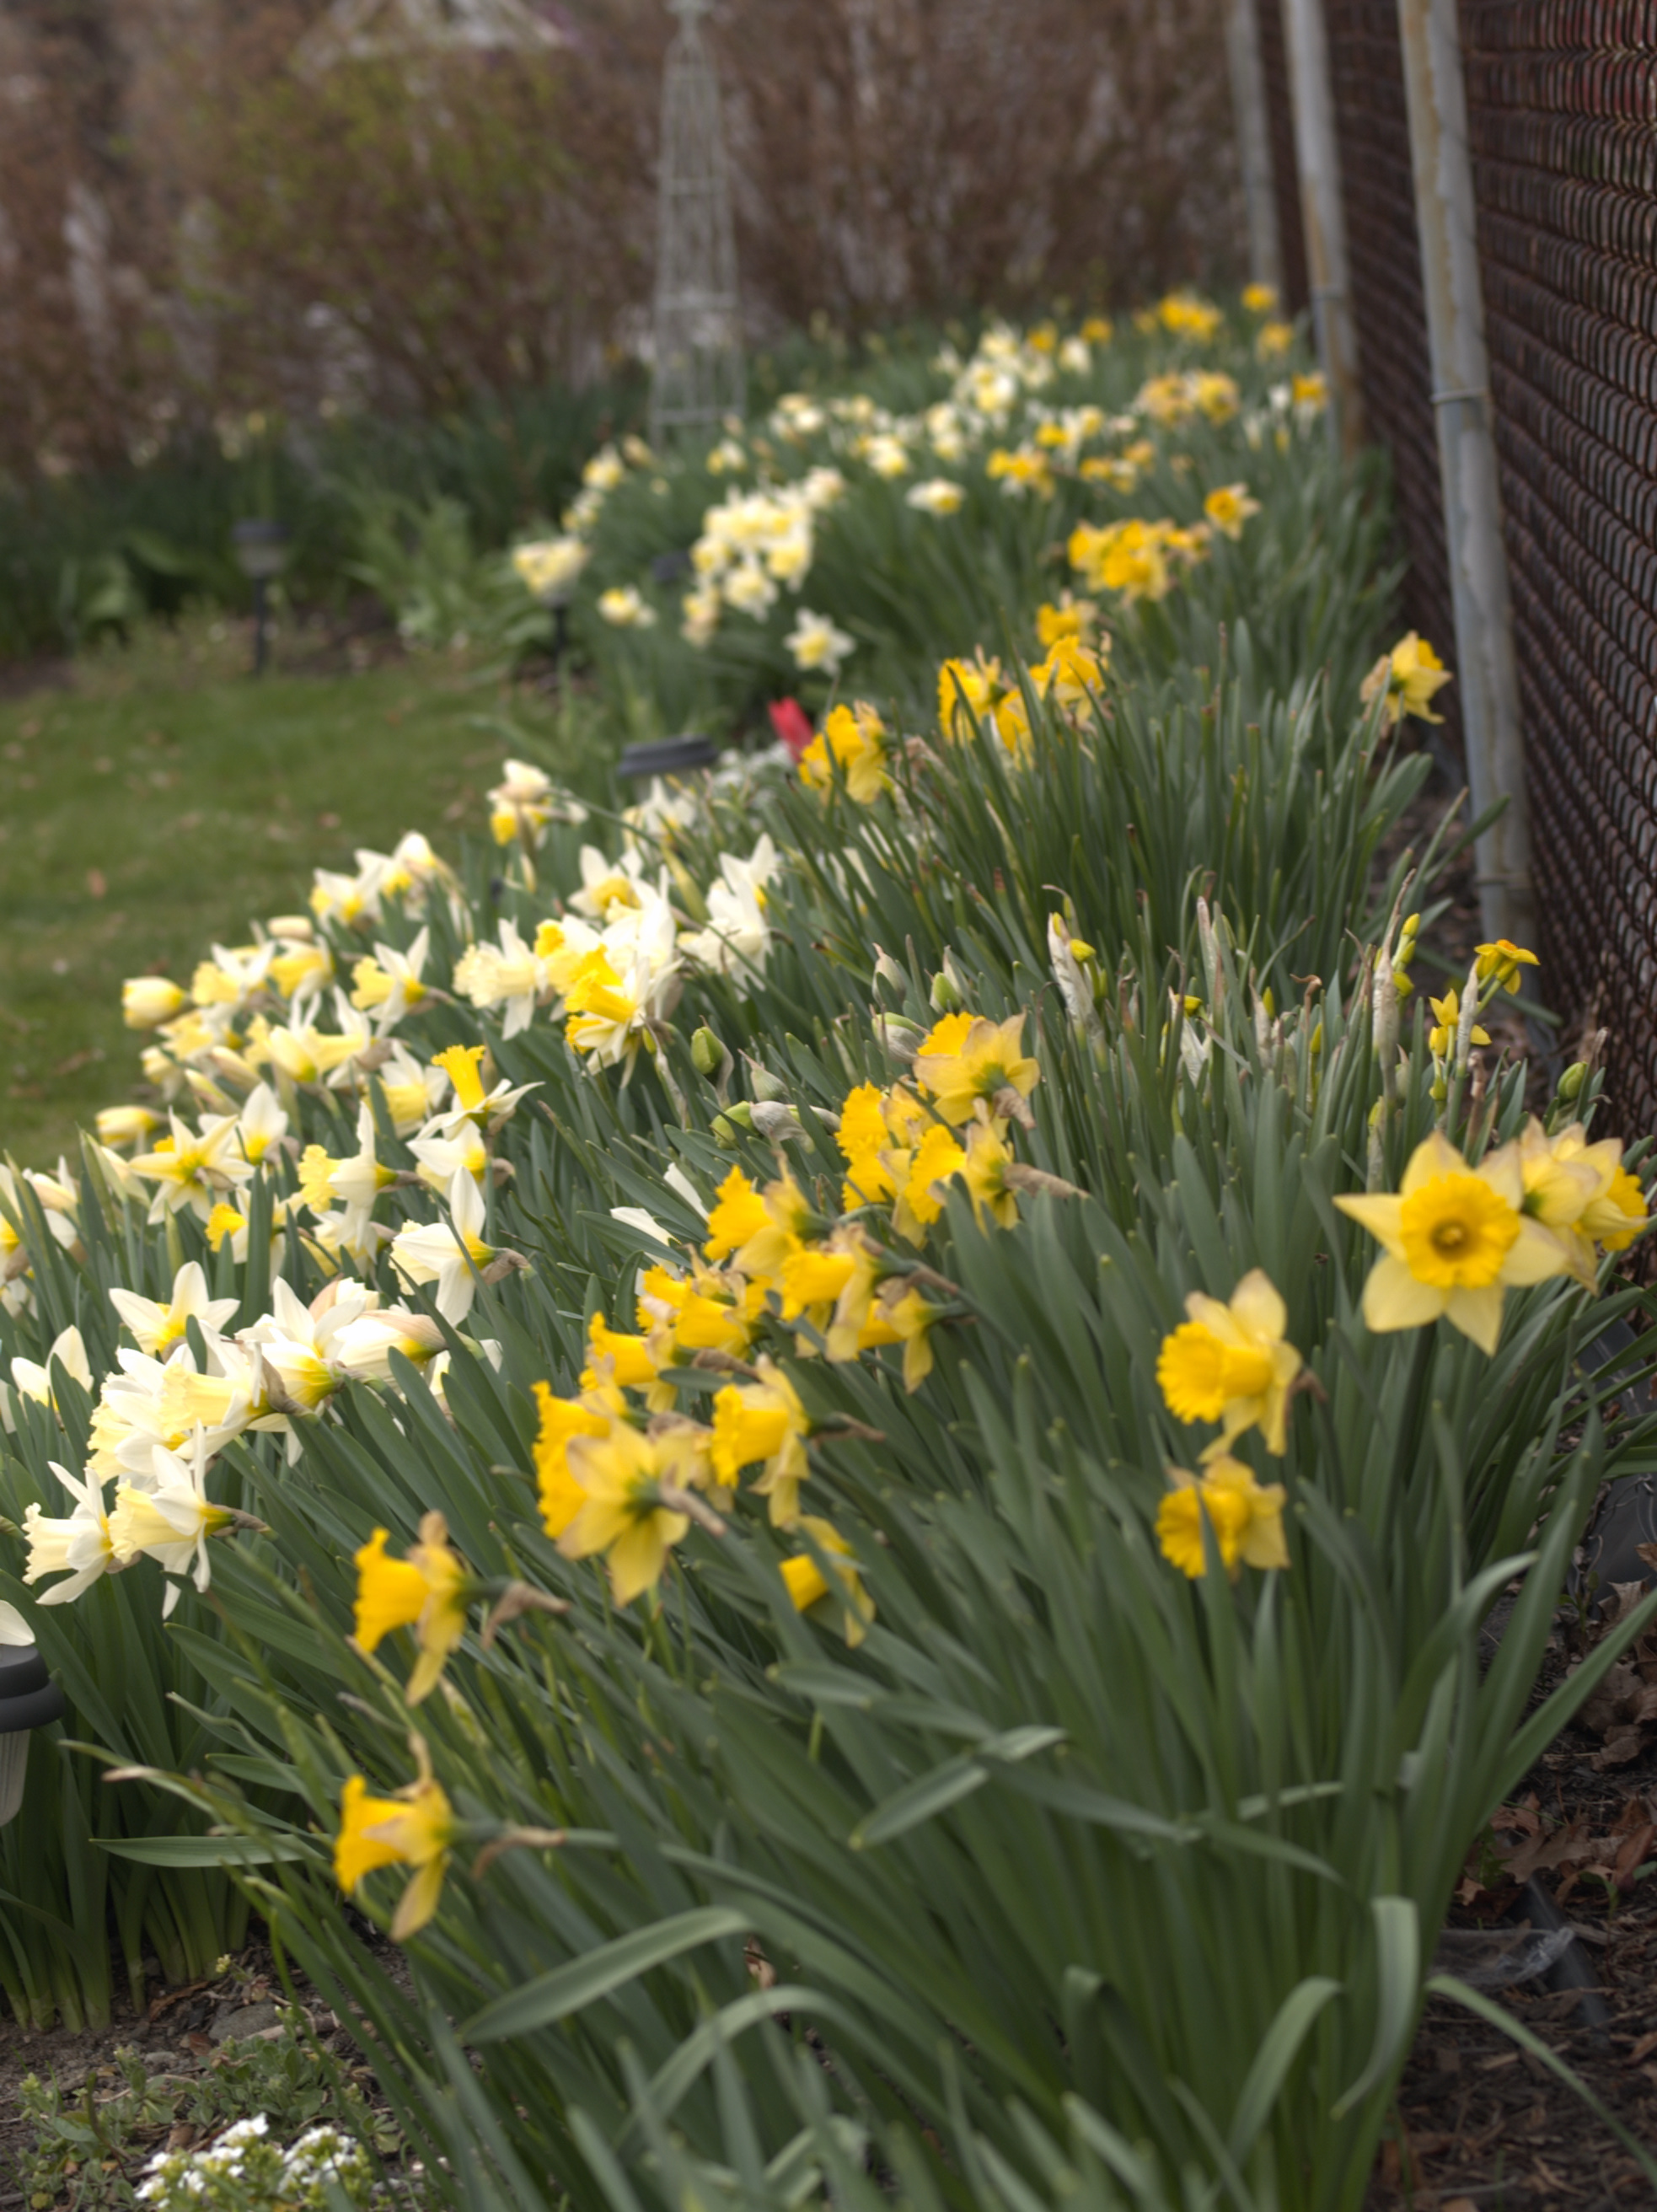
(698, 375)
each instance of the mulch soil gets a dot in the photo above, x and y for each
(1481, 2123)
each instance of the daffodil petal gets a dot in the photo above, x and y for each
(1257, 1305)
(1504, 1171)
(1381, 1215)
(1392, 1298)
(1536, 1255)
(1476, 1313)
(1434, 1156)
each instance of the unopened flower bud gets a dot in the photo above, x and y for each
(888, 971)
(761, 1081)
(706, 1053)
(902, 1038)
(774, 1122)
(946, 993)
(734, 1118)
(1571, 1082)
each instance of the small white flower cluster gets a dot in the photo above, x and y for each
(245, 2172)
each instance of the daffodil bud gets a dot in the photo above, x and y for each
(1571, 1082)
(764, 1084)
(734, 1119)
(888, 971)
(946, 994)
(901, 1037)
(706, 1053)
(1385, 1028)
(774, 1123)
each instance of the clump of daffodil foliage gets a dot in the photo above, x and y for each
(839, 1440)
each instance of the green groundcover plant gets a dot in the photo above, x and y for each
(842, 1440)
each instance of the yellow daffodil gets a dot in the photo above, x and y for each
(863, 1137)
(811, 1280)
(1447, 1017)
(622, 1513)
(910, 1319)
(984, 1171)
(427, 1592)
(1456, 1239)
(1581, 1191)
(807, 1585)
(939, 1156)
(789, 1219)
(1259, 299)
(1407, 678)
(763, 1421)
(1273, 340)
(1245, 1515)
(1229, 507)
(416, 1828)
(1130, 557)
(1070, 618)
(1502, 961)
(561, 1496)
(614, 1357)
(1232, 1363)
(739, 1212)
(987, 1061)
(854, 739)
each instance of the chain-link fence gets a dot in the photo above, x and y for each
(1560, 95)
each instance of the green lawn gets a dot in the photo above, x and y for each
(166, 801)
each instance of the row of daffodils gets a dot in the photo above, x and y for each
(836, 1440)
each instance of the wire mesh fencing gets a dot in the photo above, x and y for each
(1562, 96)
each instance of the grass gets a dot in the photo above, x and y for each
(166, 801)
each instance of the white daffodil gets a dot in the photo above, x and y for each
(314, 1055)
(631, 983)
(508, 976)
(300, 1343)
(816, 643)
(159, 1329)
(60, 1223)
(625, 607)
(936, 496)
(260, 1124)
(391, 985)
(456, 1146)
(341, 898)
(449, 1254)
(192, 1170)
(33, 1379)
(77, 1544)
(14, 1629)
(302, 969)
(363, 1350)
(606, 885)
(412, 1092)
(355, 1181)
(169, 1519)
(521, 805)
(548, 567)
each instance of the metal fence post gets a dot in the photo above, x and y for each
(1321, 216)
(1242, 33)
(1486, 672)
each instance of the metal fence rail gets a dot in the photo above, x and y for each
(1390, 311)
(1562, 98)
